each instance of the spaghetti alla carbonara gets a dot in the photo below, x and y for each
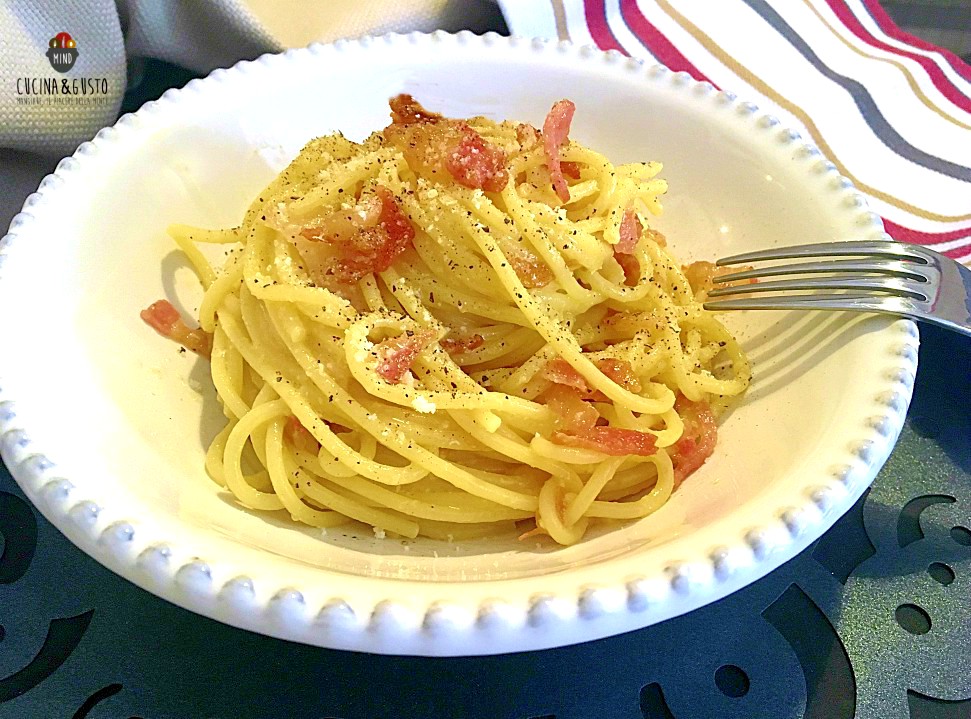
(457, 328)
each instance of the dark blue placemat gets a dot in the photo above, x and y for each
(873, 621)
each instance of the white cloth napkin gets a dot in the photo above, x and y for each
(55, 126)
(196, 34)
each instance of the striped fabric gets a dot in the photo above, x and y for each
(892, 112)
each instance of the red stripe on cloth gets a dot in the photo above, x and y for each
(937, 76)
(890, 28)
(917, 237)
(655, 42)
(596, 16)
(961, 254)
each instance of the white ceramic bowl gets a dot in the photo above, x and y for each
(104, 424)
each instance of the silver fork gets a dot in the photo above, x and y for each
(881, 276)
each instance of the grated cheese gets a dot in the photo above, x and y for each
(423, 405)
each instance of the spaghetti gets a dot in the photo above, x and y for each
(457, 328)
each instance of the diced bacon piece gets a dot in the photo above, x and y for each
(656, 237)
(406, 110)
(476, 164)
(561, 372)
(528, 136)
(318, 259)
(456, 346)
(631, 267)
(556, 131)
(630, 233)
(445, 149)
(161, 315)
(615, 441)
(620, 372)
(425, 146)
(576, 426)
(530, 270)
(348, 245)
(701, 276)
(570, 169)
(398, 230)
(698, 440)
(166, 320)
(397, 354)
(572, 414)
(299, 436)
(343, 225)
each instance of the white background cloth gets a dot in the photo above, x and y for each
(27, 28)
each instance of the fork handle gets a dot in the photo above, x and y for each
(952, 308)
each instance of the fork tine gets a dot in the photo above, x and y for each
(888, 277)
(872, 248)
(849, 301)
(893, 268)
(874, 284)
